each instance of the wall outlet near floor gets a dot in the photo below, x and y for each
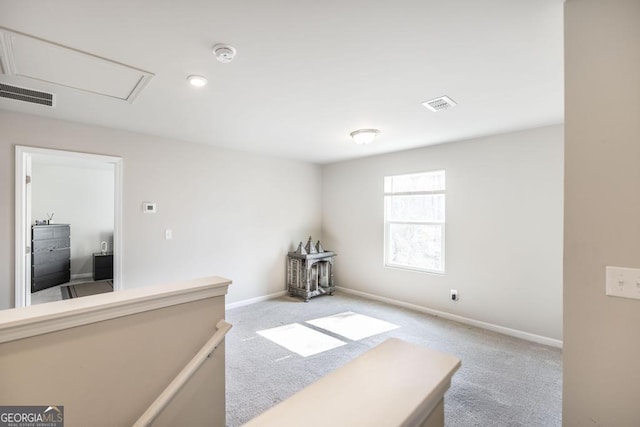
(454, 295)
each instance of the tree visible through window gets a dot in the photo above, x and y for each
(414, 218)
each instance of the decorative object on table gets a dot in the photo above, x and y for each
(50, 255)
(310, 271)
(103, 247)
(41, 222)
(50, 218)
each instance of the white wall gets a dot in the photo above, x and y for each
(602, 211)
(125, 348)
(81, 197)
(503, 232)
(232, 214)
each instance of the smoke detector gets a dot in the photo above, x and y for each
(440, 104)
(224, 52)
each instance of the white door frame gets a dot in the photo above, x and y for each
(23, 226)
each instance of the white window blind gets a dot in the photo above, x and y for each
(414, 220)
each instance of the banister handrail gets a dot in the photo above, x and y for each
(222, 327)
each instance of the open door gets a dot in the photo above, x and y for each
(23, 192)
(23, 221)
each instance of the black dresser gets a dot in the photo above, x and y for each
(50, 255)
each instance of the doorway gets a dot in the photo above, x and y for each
(26, 158)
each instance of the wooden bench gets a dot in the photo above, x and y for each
(393, 384)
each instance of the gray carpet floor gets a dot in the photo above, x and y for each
(503, 381)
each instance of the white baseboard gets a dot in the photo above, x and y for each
(81, 276)
(253, 300)
(489, 326)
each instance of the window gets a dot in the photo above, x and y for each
(414, 221)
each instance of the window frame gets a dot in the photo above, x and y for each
(387, 223)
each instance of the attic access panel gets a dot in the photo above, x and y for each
(27, 56)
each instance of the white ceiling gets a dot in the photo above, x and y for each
(307, 73)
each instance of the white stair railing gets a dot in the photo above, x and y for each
(181, 379)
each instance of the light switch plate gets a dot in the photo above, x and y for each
(623, 282)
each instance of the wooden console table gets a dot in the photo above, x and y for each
(310, 271)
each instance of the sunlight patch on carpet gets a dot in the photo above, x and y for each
(353, 325)
(300, 339)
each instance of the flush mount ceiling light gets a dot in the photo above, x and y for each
(197, 81)
(224, 52)
(364, 136)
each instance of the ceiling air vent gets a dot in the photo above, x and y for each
(440, 104)
(26, 95)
